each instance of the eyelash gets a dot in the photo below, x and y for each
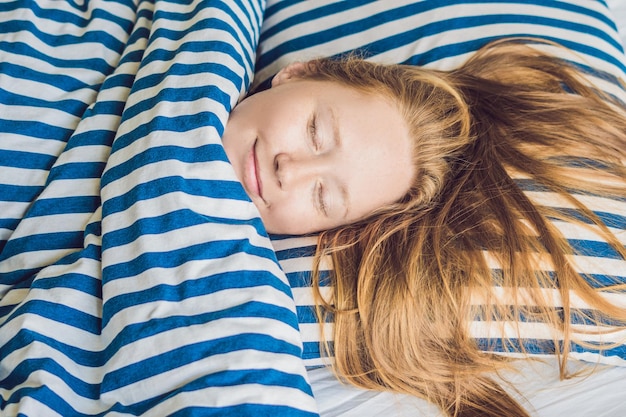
(313, 133)
(320, 199)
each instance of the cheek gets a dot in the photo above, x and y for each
(290, 217)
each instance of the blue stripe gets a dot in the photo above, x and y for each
(312, 350)
(94, 64)
(544, 346)
(73, 280)
(174, 258)
(182, 94)
(164, 223)
(131, 333)
(64, 205)
(61, 16)
(193, 46)
(61, 314)
(44, 395)
(197, 287)
(257, 410)
(155, 154)
(43, 241)
(206, 188)
(328, 10)
(186, 355)
(172, 124)
(35, 129)
(60, 81)
(19, 193)
(594, 248)
(95, 137)
(595, 280)
(604, 281)
(9, 223)
(306, 315)
(455, 49)
(531, 314)
(297, 252)
(27, 367)
(24, 278)
(303, 279)
(615, 220)
(76, 170)
(113, 108)
(55, 40)
(21, 159)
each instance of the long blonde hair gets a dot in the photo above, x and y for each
(404, 278)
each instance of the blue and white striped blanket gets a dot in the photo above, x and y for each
(136, 277)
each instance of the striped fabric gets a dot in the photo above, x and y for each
(443, 34)
(136, 277)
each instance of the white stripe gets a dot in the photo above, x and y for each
(29, 406)
(582, 264)
(303, 296)
(182, 238)
(221, 397)
(600, 204)
(213, 302)
(311, 332)
(41, 350)
(23, 177)
(551, 296)
(305, 263)
(191, 270)
(529, 330)
(595, 358)
(18, 142)
(236, 359)
(587, 232)
(294, 242)
(167, 203)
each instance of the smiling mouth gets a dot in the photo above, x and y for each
(257, 177)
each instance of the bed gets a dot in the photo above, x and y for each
(136, 277)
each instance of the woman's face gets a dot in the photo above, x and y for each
(313, 155)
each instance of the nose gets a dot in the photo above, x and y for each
(292, 171)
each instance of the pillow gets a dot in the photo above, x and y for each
(432, 33)
(618, 8)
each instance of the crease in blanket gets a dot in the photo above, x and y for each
(136, 277)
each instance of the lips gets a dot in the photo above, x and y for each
(252, 178)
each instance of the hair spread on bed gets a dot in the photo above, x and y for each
(407, 278)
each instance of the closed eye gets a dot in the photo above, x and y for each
(320, 199)
(313, 133)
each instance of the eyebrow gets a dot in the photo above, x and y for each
(345, 195)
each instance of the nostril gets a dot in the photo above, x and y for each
(277, 170)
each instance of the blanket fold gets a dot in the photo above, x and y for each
(136, 277)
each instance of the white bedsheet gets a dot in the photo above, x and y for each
(593, 394)
(618, 7)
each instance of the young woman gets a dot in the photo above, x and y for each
(430, 185)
